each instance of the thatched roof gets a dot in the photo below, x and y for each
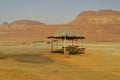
(68, 33)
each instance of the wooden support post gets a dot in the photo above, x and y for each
(66, 53)
(57, 44)
(64, 45)
(72, 43)
(51, 44)
(81, 42)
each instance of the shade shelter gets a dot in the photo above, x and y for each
(65, 34)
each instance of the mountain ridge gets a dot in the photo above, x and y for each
(102, 25)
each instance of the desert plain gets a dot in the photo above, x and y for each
(18, 61)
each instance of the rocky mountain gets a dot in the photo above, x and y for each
(103, 25)
(27, 22)
(97, 18)
(4, 27)
(20, 25)
(24, 24)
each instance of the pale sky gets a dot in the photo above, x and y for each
(51, 11)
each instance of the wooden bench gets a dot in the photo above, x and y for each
(81, 50)
(74, 50)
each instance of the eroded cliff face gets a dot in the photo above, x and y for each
(103, 25)
(97, 18)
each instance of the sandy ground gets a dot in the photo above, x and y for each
(101, 61)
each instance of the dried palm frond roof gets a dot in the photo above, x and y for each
(67, 32)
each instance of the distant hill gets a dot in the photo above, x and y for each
(27, 22)
(20, 25)
(103, 25)
(4, 27)
(24, 24)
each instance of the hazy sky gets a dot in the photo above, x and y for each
(51, 11)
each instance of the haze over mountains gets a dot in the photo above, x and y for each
(103, 25)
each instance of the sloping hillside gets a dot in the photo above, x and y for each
(103, 25)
